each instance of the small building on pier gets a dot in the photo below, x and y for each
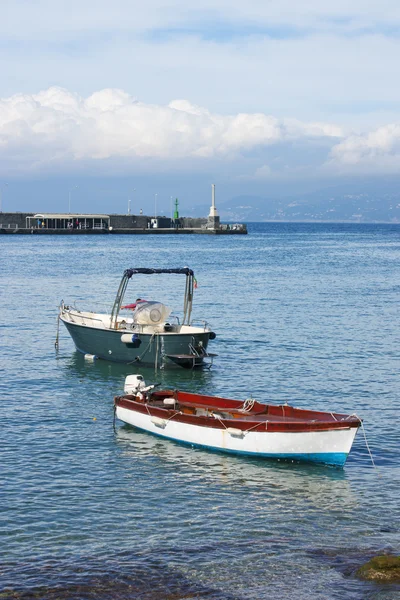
(67, 221)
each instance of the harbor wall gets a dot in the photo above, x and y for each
(193, 223)
(16, 222)
(13, 220)
(129, 221)
(144, 222)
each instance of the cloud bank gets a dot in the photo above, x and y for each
(375, 152)
(315, 61)
(57, 130)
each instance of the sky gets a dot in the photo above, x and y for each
(103, 102)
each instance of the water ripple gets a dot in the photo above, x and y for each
(303, 313)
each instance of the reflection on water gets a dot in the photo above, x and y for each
(303, 313)
(320, 486)
(76, 366)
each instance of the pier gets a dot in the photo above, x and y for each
(102, 224)
(106, 224)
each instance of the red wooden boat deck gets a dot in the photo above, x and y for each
(223, 412)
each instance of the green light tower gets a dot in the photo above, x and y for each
(176, 212)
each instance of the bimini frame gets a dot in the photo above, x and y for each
(188, 300)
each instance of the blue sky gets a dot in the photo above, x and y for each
(255, 96)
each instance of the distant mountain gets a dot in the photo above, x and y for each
(369, 202)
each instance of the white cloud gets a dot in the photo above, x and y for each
(56, 127)
(57, 130)
(377, 151)
(314, 61)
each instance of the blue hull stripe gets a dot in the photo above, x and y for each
(334, 459)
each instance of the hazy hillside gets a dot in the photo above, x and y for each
(368, 202)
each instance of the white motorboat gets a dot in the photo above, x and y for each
(145, 333)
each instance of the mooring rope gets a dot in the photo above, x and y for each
(244, 431)
(115, 413)
(139, 358)
(366, 443)
(157, 350)
(248, 405)
(56, 343)
(177, 412)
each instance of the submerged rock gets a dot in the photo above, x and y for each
(383, 569)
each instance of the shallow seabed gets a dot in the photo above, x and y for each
(307, 314)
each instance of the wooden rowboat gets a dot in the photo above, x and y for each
(239, 427)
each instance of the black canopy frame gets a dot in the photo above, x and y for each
(128, 273)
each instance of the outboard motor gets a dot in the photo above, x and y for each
(134, 384)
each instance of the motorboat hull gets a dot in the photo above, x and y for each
(323, 446)
(143, 334)
(154, 349)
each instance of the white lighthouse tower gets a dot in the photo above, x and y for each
(213, 217)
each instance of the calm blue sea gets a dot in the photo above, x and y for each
(304, 313)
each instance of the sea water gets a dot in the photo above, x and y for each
(304, 313)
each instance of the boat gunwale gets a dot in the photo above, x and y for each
(246, 422)
(140, 333)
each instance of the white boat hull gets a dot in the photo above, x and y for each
(326, 446)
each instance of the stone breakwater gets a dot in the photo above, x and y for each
(68, 223)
